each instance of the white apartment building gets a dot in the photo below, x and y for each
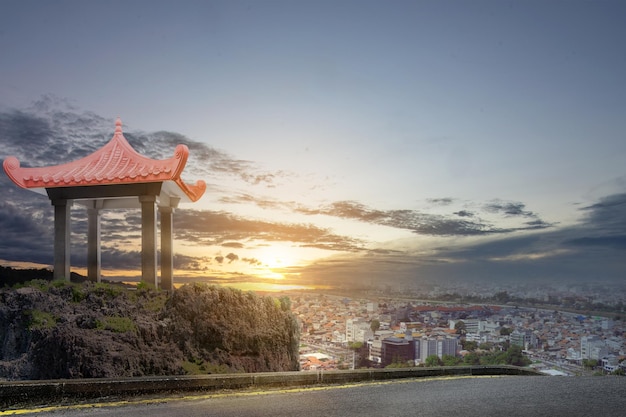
(358, 330)
(375, 350)
(471, 325)
(439, 346)
(592, 347)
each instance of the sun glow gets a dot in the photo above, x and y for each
(277, 256)
(269, 274)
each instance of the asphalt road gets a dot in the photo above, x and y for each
(487, 396)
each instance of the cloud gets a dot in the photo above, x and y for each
(616, 242)
(252, 261)
(419, 222)
(511, 209)
(608, 215)
(220, 228)
(591, 251)
(236, 245)
(55, 132)
(24, 236)
(504, 239)
(441, 201)
(426, 223)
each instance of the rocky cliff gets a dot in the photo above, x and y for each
(57, 329)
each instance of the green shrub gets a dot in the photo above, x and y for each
(156, 302)
(78, 294)
(57, 283)
(143, 285)
(40, 284)
(109, 289)
(200, 367)
(116, 324)
(39, 320)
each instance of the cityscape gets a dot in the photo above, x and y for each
(372, 329)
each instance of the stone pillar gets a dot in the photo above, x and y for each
(94, 258)
(148, 240)
(62, 229)
(167, 244)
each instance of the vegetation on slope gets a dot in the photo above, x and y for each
(57, 329)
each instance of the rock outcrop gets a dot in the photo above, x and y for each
(51, 330)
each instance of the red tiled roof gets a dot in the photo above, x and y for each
(115, 163)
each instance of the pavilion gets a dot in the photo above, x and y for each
(113, 177)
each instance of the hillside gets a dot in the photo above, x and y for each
(57, 329)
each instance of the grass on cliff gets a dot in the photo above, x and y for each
(116, 324)
(39, 320)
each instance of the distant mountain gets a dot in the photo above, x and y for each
(57, 329)
(10, 276)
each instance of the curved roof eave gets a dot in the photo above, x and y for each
(114, 164)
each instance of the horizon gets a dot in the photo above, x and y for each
(347, 143)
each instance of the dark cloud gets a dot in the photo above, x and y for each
(593, 251)
(615, 242)
(441, 201)
(190, 263)
(508, 209)
(236, 245)
(251, 261)
(416, 221)
(604, 225)
(423, 223)
(205, 161)
(608, 215)
(217, 228)
(55, 132)
(113, 257)
(26, 236)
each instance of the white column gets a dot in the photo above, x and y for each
(94, 258)
(167, 246)
(148, 240)
(62, 231)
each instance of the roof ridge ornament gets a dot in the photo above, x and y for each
(118, 126)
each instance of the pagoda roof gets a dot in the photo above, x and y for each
(116, 163)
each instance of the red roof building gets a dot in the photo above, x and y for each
(115, 176)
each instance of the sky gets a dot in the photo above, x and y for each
(342, 142)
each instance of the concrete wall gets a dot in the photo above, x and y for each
(22, 392)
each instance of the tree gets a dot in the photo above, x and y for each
(514, 356)
(355, 345)
(433, 360)
(502, 297)
(285, 303)
(459, 326)
(471, 359)
(485, 346)
(469, 345)
(450, 360)
(374, 325)
(590, 363)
